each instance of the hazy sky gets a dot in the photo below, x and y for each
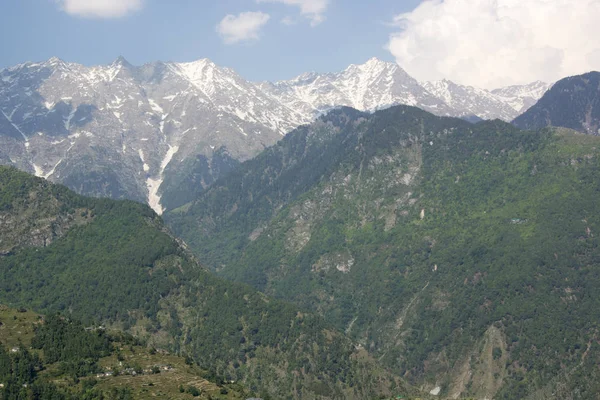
(487, 43)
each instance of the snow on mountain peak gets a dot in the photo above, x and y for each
(471, 101)
(522, 97)
(202, 73)
(121, 61)
(55, 63)
(62, 109)
(372, 66)
(372, 85)
(54, 60)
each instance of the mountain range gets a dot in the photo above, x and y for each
(161, 133)
(365, 254)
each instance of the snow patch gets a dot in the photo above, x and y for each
(154, 184)
(16, 127)
(155, 107)
(145, 166)
(69, 118)
(13, 112)
(38, 171)
(51, 172)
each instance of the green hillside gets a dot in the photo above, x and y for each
(463, 257)
(114, 263)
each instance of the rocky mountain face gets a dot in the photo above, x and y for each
(475, 103)
(454, 253)
(377, 84)
(572, 103)
(113, 131)
(522, 97)
(162, 132)
(368, 87)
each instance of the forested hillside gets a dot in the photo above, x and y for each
(572, 103)
(464, 257)
(114, 263)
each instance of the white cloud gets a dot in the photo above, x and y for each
(312, 9)
(100, 8)
(289, 21)
(243, 27)
(494, 43)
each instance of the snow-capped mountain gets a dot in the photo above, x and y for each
(121, 131)
(522, 97)
(367, 87)
(471, 101)
(162, 132)
(378, 84)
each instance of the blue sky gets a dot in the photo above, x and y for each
(184, 30)
(485, 43)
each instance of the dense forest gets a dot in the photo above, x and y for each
(462, 256)
(113, 263)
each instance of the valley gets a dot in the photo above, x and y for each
(349, 235)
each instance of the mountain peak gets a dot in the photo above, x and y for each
(373, 63)
(377, 61)
(200, 63)
(54, 62)
(121, 61)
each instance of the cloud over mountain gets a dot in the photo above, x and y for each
(493, 43)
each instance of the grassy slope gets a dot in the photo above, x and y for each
(17, 329)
